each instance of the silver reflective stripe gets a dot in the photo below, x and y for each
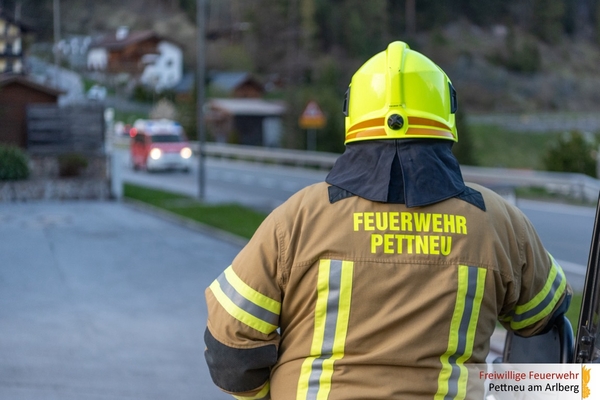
(543, 304)
(331, 318)
(246, 304)
(462, 334)
(453, 377)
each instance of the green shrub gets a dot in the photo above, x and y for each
(463, 149)
(71, 164)
(572, 152)
(13, 164)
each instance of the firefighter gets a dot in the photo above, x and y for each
(387, 280)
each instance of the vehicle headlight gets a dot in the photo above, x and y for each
(155, 154)
(186, 152)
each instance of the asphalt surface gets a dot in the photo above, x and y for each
(100, 301)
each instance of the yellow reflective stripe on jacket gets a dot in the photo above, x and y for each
(332, 312)
(246, 304)
(452, 381)
(263, 394)
(543, 303)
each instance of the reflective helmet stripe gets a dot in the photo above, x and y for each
(421, 132)
(367, 133)
(370, 123)
(361, 130)
(427, 122)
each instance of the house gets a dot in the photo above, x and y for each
(74, 49)
(11, 44)
(236, 84)
(67, 81)
(145, 56)
(16, 93)
(246, 121)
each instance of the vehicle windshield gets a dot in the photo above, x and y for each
(166, 138)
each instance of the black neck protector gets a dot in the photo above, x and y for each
(412, 172)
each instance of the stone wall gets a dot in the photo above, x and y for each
(44, 182)
(55, 189)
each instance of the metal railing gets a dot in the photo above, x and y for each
(298, 158)
(578, 186)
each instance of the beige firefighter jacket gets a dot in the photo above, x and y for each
(366, 300)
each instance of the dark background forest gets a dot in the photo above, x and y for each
(503, 56)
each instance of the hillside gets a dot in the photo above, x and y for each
(494, 68)
(485, 69)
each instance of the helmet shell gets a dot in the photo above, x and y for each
(400, 94)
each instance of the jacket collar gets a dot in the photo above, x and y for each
(412, 172)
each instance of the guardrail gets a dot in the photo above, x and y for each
(578, 186)
(299, 158)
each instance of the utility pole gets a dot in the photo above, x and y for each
(411, 18)
(56, 40)
(200, 70)
(17, 11)
(291, 96)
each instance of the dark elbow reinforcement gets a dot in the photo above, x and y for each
(238, 370)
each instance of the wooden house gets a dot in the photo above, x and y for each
(255, 122)
(16, 93)
(237, 85)
(143, 55)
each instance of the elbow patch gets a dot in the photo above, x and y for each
(238, 370)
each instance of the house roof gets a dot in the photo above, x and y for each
(7, 79)
(230, 80)
(186, 84)
(111, 41)
(249, 107)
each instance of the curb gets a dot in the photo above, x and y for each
(186, 222)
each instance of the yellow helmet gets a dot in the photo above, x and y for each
(400, 94)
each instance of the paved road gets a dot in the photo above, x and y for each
(261, 187)
(99, 301)
(565, 230)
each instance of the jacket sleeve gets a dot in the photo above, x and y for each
(540, 292)
(244, 305)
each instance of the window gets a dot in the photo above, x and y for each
(17, 66)
(165, 138)
(17, 46)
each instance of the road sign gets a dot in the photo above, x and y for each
(312, 117)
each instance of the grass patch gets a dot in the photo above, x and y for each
(574, 310)
(232, 218)
(129, 117)
(494, 146)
